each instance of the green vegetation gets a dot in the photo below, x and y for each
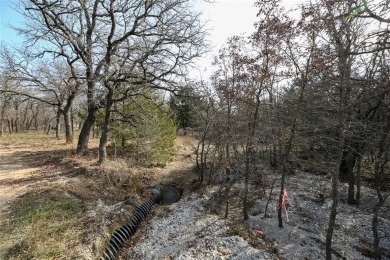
(44, 225)
(145, 130)
(182, 107)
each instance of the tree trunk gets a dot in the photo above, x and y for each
(67, 111)
(2, 118)
(123, 142)
(25, 119)
(375, 225)
(16, 127)
(105, 128)
(281, 194)
(68, 128)
(274, 161)
(358, 179)
(335, 176)
(380, 162)
(250, 150)
(58, 120)
(9, 126)
(36, 125)
(202, 161)
(344, 65)
(351, 180)
(335, 201)
(269, 197)
(201, 145)
(93, 131)
(48, 128)
(227, 179)
(346, 173)
(30, 123)
(72, 121)
(288, 149)
(1, 123)
(82, 145)
(246, 187)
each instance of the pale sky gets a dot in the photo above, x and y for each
(8, 16)
(228, 18)
(225, 18)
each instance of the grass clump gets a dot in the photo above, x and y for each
(44, 226)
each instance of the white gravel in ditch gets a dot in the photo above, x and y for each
(187, 232)
(303, 237)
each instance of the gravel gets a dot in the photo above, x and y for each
(185, 230)
(303, 237)
(188, 232)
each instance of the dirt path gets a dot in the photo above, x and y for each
(13, 167)
(184, 159)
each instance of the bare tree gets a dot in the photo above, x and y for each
(139, 42)
(47, 81)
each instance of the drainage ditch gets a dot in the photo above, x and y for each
(165, 194)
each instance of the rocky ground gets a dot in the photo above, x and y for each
(303, 237)
(186, 230)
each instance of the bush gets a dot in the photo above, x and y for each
(145, 126)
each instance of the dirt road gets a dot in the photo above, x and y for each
(15, 169)
(15, 166)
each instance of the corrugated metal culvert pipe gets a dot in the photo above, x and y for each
(123, 233)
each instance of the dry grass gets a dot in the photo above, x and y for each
(45, 226)
(63, 206)
(39, 219)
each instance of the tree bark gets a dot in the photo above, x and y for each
(58, 123)
(68, 128)
(280, 201)
(344, 64)
(227, 179)
(358, 179)
(380, 161)
(202, 160)
(346, 171)
(335, 195)
(375, 225)
(72, 121)
(341, 144)
(2, 117)
(68, 116)
(48, 128)
(246, 185)
(9, 126)
(105, 128)
(351, 179)
(1, 122)
(82, 145)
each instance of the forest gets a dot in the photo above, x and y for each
(308, 90)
